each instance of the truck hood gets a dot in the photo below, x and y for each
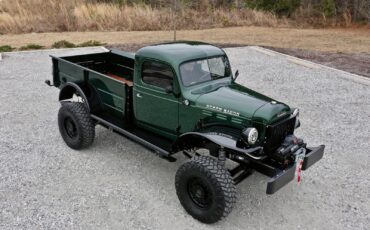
(239, 101)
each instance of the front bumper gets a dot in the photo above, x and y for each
(283, 177)
(313, 155)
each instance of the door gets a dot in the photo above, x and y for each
(155, 107)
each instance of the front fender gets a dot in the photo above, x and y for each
(197, 139)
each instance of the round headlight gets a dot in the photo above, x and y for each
(250, 135)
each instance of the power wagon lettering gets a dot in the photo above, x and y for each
(222, 110)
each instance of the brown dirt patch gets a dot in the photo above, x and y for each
(357, 63)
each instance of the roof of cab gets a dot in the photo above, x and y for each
(179, 52)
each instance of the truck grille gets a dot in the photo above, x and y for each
(276, 133)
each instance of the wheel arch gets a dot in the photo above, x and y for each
(183, 141)
(90, 97)
(198, 139)
(189, 140)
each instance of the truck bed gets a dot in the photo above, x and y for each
(116, 64)
(110, 73)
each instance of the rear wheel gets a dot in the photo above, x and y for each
(75, 125)
(205, 189)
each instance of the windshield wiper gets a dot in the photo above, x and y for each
(216, 76)
(210, 88)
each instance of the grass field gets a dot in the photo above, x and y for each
(333, 40)
(27, 16)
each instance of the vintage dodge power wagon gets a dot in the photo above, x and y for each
(182, 97)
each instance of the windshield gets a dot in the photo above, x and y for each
(195, 72)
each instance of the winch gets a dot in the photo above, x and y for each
(285, 153)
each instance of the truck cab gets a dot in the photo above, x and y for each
(166, 81)
(183, 97)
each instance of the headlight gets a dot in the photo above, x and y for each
(250, 135)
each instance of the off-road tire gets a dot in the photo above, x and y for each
(83, 126)
(216, 178)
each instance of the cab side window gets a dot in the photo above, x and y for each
(157, 74)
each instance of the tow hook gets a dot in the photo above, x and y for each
(299, 171)
(299, 158)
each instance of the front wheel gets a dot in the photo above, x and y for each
(205, 189)
(75, 125)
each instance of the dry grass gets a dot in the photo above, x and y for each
(24, 16)
(18, 16)
(336, 40)
(105, 17)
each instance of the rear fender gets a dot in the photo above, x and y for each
(85, 91)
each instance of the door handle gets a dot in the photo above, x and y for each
(139, 95)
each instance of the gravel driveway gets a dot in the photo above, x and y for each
(117, 184)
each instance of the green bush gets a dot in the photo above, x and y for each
(31, 47)
(67, 44)
(63, 44)
(6, 48)
(280, 7)
(91, 43)
(329, 8)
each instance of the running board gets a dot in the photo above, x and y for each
(157, 150)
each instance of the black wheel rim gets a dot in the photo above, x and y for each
(70, 127)
(199, 193)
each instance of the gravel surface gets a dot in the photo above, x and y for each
(117, 184)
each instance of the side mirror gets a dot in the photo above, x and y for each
(169, 89)
(236, 75)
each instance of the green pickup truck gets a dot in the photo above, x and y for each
(182, 97)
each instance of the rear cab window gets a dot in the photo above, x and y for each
(157, 74)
